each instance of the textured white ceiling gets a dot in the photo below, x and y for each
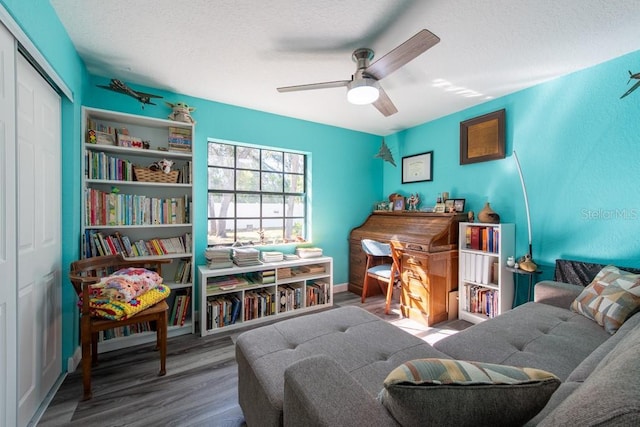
(239, 51)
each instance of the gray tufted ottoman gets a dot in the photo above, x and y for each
(364, 345)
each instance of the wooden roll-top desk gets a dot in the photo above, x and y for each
(427, 246)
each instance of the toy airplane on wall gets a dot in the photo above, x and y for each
(635, 76)
(119, 86)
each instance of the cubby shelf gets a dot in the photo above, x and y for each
(283, 294)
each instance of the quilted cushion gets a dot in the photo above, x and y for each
(611, 298)
(126, 284)
(120, 310)
(454, 392)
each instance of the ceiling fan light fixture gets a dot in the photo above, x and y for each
(363, 91)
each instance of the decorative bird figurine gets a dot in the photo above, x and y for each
(385, 154)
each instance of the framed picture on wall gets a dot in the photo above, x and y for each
(417, 168)
(482, 138)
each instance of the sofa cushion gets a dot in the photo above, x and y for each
(611, 298)
(365, 346)
(432, 389)
(609, 396)
(534, 335)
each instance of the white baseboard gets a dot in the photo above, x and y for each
(342, 287)
(74, 361)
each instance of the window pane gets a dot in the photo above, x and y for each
(248, 180)
(220, 154)
(272, 206)
(272, 182)
(220, 179)
(294, 229)
(294, 206)
(221, 205)
(293, 163)
(220, 232)
(248, 158)
(248, 230)
(272, 160)
(272, 230)
(248, 205)
(293, 183)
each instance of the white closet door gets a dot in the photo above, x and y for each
(8, 288)
(39, 246)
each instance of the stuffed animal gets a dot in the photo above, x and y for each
(181, 112)
(163, 165)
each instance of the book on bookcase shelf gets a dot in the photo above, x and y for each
(482, 238)
(223, 311)
(101, 166)
(104, 208)
(184, 271)
(124, 331)
(481, 300)
(96, 243)
(180, 308)
(179, 139)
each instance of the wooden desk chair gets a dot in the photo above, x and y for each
(382, 264)
(88, 271)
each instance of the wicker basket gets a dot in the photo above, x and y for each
(147, 175)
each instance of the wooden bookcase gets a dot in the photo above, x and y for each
(263, 292)
(119, 210)
(485, 285)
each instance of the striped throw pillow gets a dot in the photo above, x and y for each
(455, 392)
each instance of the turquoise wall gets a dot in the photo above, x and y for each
(576, 140)
(578, 145)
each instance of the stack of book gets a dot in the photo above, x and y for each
(309, 252)
(284, 273)
(272, 256)
(218, 257)
(179, 139)
(311, 269)
(246, 256)
(225, 283)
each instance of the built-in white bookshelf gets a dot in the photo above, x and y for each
(128, 208)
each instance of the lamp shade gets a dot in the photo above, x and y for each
(363, 91)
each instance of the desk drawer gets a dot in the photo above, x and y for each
(415, 295)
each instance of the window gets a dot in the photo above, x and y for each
(256, 195)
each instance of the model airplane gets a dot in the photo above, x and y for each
(635, 86)
(119, 86)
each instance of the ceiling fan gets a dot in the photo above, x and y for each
(363, 88)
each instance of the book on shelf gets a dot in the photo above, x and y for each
(478, 268)
(104, 208)
(481, 300)
(482, 238)
(179, 139)
(311, 269)
(96, 243)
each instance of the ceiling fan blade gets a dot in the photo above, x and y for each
(384, 104)
(402, 54)
(325, 85)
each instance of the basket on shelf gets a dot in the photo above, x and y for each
(147, 175)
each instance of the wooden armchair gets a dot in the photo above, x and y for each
(88, 271)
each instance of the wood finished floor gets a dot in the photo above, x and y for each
(200, 388)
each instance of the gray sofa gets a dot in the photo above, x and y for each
(328, 369)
